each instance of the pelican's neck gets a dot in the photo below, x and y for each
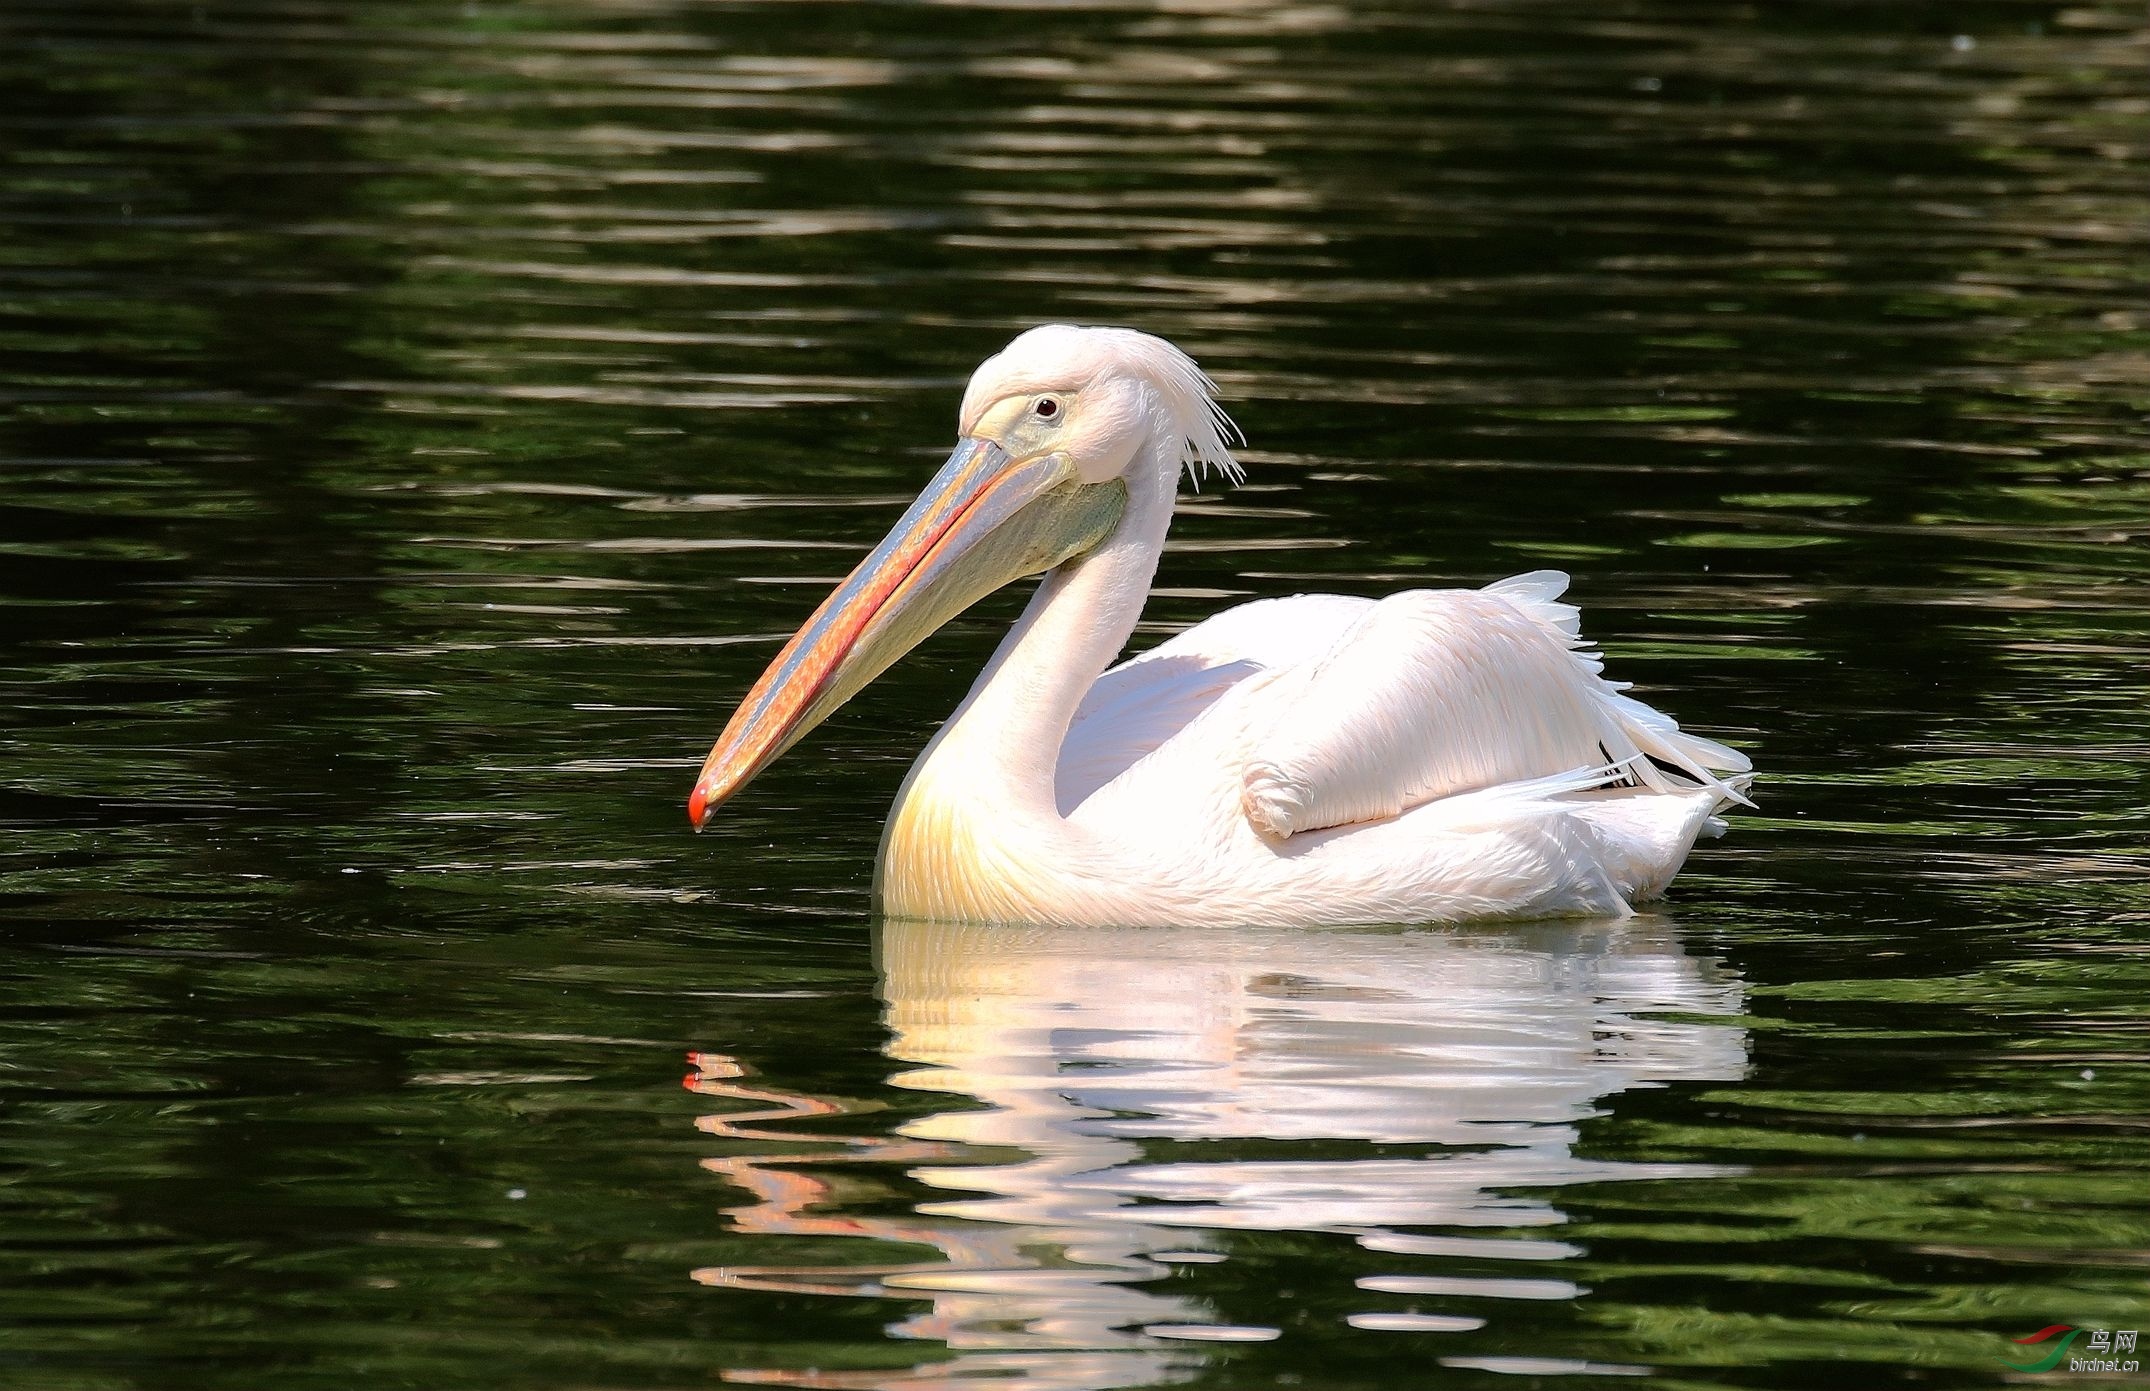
(1006, 736)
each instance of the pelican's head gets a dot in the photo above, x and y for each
(1055, 428)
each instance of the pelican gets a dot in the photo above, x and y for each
(1436, 756)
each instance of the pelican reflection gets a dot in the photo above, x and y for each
(1125, 1101)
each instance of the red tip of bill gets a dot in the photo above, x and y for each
(698, 807)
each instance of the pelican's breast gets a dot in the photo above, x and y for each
(946, 856)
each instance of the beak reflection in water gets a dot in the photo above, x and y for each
(985, 521)
(1481, 1049)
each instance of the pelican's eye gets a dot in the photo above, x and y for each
(1047, 407)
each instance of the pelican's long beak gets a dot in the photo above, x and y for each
(985, 521)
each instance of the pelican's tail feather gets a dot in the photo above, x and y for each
(1648, 731)
(1504, 804)
(1659, 736)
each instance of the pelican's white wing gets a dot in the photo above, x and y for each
(1147, 699)
(1271, 633)
(1431, 693)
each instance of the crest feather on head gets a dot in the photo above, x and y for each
(1063, 357)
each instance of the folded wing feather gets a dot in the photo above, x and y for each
(1146, 700)
(1431, 693)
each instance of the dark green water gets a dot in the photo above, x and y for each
(418, 423)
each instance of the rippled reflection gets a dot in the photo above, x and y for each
(1410, 1090)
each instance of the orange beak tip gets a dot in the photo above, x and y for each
(698, 809)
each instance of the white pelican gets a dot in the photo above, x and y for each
(1434, 756)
